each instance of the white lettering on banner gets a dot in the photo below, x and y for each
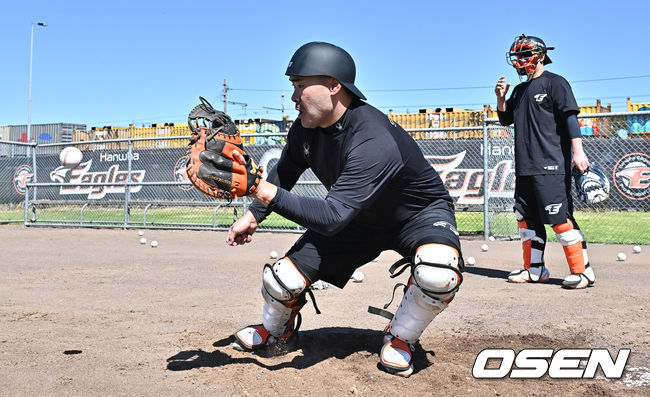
(467, 183)
(564, 364)
(81, 174)
(121, 156)
(499, 150)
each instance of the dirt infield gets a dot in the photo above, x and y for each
(94, 312)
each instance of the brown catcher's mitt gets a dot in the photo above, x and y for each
(211, 166)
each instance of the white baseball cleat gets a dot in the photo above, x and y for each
(251, 338)
(536, 274)
(580, 280)
(397, 357)
(257, 337)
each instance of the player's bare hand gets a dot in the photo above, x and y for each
(580, 162)
(241, 232)
(502, 88)
(579, 159)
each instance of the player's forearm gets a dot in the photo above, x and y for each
(285, 175)
(505, 117)
(324, 216)
(265, 192)
(501, 104)
(576, 146)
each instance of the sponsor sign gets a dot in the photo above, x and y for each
(22, 175)
(631, 176)
(83, 174)
(459, 163)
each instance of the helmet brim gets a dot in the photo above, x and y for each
(353, 89)
(547, 59)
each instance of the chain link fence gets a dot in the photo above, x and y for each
(619, 143)
(140, 182)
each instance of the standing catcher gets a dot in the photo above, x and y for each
(547, 144)
(382, 195)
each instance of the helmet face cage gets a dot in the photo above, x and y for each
(524, 55)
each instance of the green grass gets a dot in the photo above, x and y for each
(155, 216)
(599, 227)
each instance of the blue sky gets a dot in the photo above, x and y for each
(122, 62)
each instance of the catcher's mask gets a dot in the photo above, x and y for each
(592, 186)
(324, 59)
(525, 52)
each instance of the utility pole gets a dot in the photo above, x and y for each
(225, 96)
(280, 109)
(226, 101)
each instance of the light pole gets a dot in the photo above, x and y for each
(29, 101)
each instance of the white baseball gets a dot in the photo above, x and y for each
(484, 247)
(140, 233)
(621, 256)
(143, 240)
(357, 276)
(70, 157)
(491, 238)
(636, 249)
(154, 244)
(470, 261)
(273, 254)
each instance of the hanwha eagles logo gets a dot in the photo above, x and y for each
(24, 174)
(180, 173)
(632, 176)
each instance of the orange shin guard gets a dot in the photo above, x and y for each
(571, 241)
(526, 244)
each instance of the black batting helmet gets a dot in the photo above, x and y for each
(325, 59)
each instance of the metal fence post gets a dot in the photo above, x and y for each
(127, 188)
(35, 170)
(26, 205)
(486, 180)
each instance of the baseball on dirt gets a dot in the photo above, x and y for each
(470, 261)
(140, 233)
(491, 238)
(621, 256)
(70, 157)
(636, 249)
(273, 254)
(143, 240)
(357, 276)
(154, 244)
(484, 247)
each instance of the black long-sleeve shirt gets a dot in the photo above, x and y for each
(373, 171)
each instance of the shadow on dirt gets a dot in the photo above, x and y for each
(502, 274)
(313, 347)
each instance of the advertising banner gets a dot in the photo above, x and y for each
(626, 163)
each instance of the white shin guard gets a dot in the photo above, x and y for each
(435, 280)
(282, 283)
(275, 315)
(414, 314)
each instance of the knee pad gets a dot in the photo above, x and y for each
(566, 234)
(436, 270)
(519, 215)
(526, 231)
(282, 288)
(533, 243)
(283, 281)
(435, 279)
